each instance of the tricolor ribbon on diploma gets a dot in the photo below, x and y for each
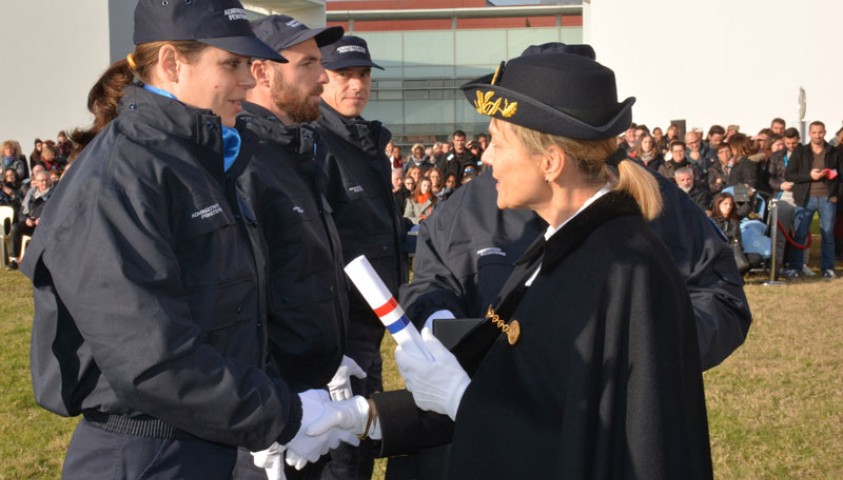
(385, 306)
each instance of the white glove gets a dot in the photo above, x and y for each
(437, 386)
(340, 385)
(348, 415)
(272, 461)
(305, 448)
(294, 460)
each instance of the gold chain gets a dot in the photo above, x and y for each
(512, 330)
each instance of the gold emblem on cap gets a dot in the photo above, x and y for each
(512, 330)
(486, 105)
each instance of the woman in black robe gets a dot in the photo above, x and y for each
(588, 365)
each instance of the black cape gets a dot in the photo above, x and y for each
(605, 379)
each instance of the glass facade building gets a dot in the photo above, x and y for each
(418, 97)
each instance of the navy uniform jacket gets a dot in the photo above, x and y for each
(465, 254)
(308, 304)
(359, 191)
(148, 277)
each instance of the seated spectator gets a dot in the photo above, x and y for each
(695, 153)
(450, 185)
(13, 158)
(714, 138)
(678, 160)
(437, 183)
(25, 184)
(626, 142)
(401, 188)
(30, 213)
(64, 146)
(483, 140)
(671, 136)
(718, 173)
(773, 144)
(11, 193)
(415, 173)
(417, 159)
(759, 140)
(658, 136)
(35, 156)
(475, 149)
(744, 170)
(647, 153)
(55, 177)
(435, 153)
(687, 183)
(778, 126)
(421, 202)
(731, 130)
(467, 177)
(396, 158)
(723, 213)
(50, 158)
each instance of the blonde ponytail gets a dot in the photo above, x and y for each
(638, 182)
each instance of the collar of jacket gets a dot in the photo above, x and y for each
(299, 138)
(579, 228)
(355, 131)
(174, 118)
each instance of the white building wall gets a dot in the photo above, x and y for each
(53, 51)
(722, 61)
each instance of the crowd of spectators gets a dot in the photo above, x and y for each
(28, 183)
(730, 175)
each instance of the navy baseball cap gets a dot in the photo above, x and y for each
(282, 31)
(219, 23)
(349, 51)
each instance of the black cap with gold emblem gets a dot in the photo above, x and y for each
(554, 92)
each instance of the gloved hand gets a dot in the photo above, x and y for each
(340, 385)
(348, 415)
(437, 386)
(272, 461)
(306, 448)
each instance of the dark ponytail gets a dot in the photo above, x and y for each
(104, 97)
(103, 101)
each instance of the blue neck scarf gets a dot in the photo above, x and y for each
(230, 136)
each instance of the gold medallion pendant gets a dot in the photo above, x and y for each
(512, 330)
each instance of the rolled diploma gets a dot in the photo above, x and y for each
(391, 314)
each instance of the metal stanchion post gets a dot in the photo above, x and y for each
(774, 232)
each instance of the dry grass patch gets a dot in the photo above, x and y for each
(775, 407)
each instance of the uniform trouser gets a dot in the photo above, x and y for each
(828, 215)
(348, 462)
(98, 454)
(785, 211)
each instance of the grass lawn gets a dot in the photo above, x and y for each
(775, 407)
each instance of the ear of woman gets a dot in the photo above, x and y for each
(167, 70)
(553, 162)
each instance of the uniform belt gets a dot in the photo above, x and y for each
(139, 426)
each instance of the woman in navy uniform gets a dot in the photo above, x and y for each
(149, 273)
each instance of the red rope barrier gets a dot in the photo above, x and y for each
(793, 243)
